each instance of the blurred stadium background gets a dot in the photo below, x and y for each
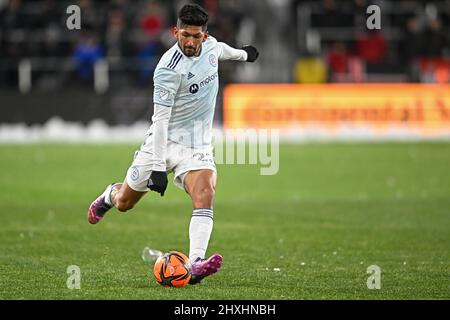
(106, 68)
(308, 232)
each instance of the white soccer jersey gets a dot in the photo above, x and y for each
(189, 86)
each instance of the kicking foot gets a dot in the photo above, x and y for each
(202, 268)
(99, 207)
(97, 210)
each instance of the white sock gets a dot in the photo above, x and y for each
(200, 230)
(107, 194)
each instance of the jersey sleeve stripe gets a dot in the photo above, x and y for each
(174, 63)
(175, 57)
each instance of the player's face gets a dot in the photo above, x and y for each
(190, 39)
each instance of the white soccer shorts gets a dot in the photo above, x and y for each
(180, 160)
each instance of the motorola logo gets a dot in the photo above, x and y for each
(193, 88)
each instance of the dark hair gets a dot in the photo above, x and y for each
(192, 15)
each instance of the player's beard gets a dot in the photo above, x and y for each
(190, 51)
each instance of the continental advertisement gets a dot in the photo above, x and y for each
(422, 109)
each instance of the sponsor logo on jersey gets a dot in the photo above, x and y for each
(190, 76)
(208, 79)
(193, 88)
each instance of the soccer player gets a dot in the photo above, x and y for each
(179, 140)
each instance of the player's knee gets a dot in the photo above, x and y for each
(203, 197)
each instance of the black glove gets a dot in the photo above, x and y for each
(252, 53)
(158, 182)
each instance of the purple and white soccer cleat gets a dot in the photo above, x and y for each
(202, 268)
(97, 210)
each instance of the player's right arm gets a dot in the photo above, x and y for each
(166, 84)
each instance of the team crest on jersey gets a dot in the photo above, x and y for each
(134, 173)
(213, 60)
(163, 94)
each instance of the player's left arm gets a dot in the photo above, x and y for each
(166, 83)
(246, 53)
(158, 177)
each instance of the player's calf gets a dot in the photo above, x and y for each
(124, 198)
(124, 205)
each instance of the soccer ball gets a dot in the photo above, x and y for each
(172, 269)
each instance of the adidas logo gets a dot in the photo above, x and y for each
(190, 76)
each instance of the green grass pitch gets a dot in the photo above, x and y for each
(332, 211)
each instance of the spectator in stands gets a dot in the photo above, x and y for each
(50, 14)
(149, 48)
(359, 9)
(413, 42)
(147, 56)
(121, 5)
(87, 53)
(114, 35)
(128, 11)
(433, 65)
(92, 17)
(50, 21)
(12, 41)
(436, 39)
(412, 47)
(332, 15)
(310, 70)
(337, 59)
(372, 47)
(51, 45)
(153, 21)
(226, 25)
(12, 16)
